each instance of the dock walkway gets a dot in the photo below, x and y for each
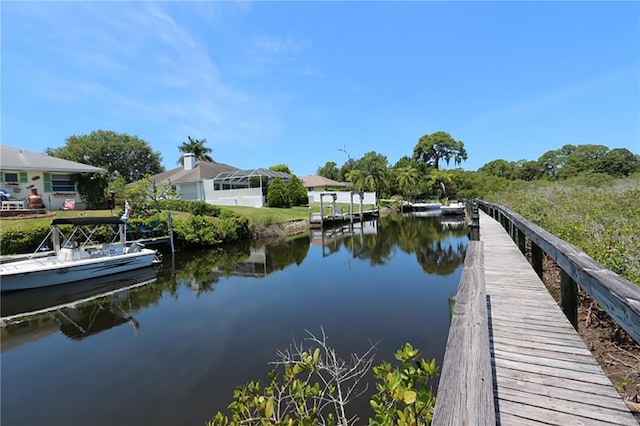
(542, 371)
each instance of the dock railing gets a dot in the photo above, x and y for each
(619, 297)
(465, 391)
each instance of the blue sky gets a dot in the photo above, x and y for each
(296, 82)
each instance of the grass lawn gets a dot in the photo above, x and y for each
(268, 215)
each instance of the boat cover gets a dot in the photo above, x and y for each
(84, 221)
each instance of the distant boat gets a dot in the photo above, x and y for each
(424, 206)
(77, 257)
(454, 208)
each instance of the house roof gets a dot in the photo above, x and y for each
(202, 170)
(315, 181)
(20, 159)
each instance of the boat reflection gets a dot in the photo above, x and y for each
(32, 301)
(78, 309)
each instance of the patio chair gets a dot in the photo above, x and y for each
(69, 204)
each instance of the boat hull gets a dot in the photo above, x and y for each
(36, 273)
(452, 210)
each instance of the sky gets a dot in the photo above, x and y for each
(304, 83)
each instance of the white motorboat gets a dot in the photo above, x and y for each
(78, 257)
(425, 206)
(453, 209)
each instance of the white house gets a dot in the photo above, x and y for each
(23, 172)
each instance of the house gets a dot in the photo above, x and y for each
(321, 183)
(318, 186)
(189, 179)
(219, 183)
(23, 173)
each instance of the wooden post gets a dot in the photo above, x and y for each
(170, 226)
(474, 226)
(536, 259)
(522, 240)
(569, 298)
(351, 209)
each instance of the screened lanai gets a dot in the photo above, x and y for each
(241, 179)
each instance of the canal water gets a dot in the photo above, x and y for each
(168, 347)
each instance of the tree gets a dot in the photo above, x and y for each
(583, 158)
(406, 177)
(329, 170)
(619, 162)
(297, 194)
(374, 170)
(277, 195)
(281, 168)
(120, 154)
(528, 170)
(500, 168)
(439, 146)
(441, 182)
(197, 148)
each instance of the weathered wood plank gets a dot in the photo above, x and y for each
(540, 407)
(560, 393)
(528, 346)
(465, 391)
(599, 379)
(542, 381)
(548, 360)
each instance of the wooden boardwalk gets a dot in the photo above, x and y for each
(542, 371)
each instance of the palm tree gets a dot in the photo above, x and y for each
(406, 178)
(440, 180)
(374, 170)
(197, 148)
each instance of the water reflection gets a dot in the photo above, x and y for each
(214, 318)
(78, 310)
(428, 236)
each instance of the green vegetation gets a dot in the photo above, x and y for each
(315, 386)
(297, 194)
(277, 195)
(197, 148)
(594, 212)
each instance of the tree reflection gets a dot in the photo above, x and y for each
(439, 249)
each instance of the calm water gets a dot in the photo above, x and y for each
(171, 352)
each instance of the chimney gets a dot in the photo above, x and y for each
(189, 161)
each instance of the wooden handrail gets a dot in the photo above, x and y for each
(619, 297)
(465, 391)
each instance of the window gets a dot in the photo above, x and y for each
(62, 183)
(11, 177)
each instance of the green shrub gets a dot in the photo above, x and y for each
(200, 208)
(297, 193)
(199, 231)
(277, 195)
(22, 241)
(602, 219)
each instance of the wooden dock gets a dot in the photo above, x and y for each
(544, 373)
(317, 220)
(540, 370)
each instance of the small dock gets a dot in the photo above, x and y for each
(317, 220)
(513, 357)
